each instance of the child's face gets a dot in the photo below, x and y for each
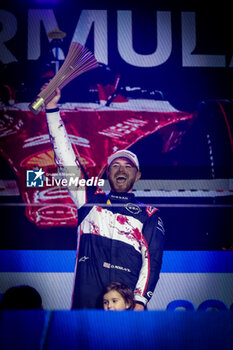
(113, 301)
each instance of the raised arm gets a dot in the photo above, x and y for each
(65, 157)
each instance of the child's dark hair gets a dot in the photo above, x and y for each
(126, 292)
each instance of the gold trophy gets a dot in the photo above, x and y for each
(78, 61)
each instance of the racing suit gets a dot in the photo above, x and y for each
(119, 239)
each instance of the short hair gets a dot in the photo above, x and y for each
(21, 297)
(125, 291)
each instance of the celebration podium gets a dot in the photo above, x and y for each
(61, 330)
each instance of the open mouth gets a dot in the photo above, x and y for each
(121, 179)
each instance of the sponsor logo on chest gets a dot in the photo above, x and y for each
(133, 208)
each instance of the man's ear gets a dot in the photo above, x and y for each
(138, 176)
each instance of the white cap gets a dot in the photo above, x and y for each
(125, 154)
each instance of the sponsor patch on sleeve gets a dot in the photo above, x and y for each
(160, 225)
(99, 191)
(151, 210)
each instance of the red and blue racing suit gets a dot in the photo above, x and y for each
(119, 239)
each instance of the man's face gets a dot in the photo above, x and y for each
(122, 174)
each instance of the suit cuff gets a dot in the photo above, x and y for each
(52, 110)
(140, 299)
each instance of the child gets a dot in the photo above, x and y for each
(117, 297)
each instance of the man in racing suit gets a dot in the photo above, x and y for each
(119, 239)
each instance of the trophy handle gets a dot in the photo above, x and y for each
(36, 105)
